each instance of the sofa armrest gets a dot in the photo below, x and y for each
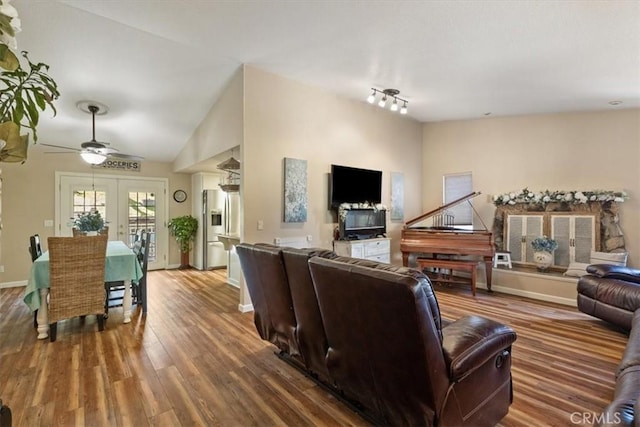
(612, 271)
(471, 341)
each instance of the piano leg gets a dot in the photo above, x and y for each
(405, 259)
(488, 263)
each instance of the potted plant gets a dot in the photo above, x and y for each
(543, 248)
(22, 91)
(89, 223)
(184, 229)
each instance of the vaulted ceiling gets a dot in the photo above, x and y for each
(160, 65)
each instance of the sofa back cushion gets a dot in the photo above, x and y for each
(411, 272)
(310, 334)
(263, 269)
(385, 349)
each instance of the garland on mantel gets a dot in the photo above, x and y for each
(526, 196)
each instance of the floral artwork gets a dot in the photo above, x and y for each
(397, 196)
(543, 197)
(295, 190)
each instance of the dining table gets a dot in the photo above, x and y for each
(121, 265)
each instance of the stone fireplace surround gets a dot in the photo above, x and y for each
(611, 237)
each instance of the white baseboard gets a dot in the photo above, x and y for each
(172, 267)
(17, 284)
(245, 308)
(529, 294)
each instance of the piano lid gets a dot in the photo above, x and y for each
(442, 208)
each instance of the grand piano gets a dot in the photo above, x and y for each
(439, 237)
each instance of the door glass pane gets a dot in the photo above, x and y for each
(89, 200)
(142, 216)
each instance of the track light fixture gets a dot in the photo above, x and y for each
(388, 94)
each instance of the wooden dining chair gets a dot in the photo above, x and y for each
(143, 257)
(35, 250)
(76, 270)
(115, 290)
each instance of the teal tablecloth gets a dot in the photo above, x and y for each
(121, 264)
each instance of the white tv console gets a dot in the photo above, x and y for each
(377, 249)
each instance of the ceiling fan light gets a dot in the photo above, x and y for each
(93, 158)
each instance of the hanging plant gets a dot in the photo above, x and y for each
(9, 26)
(24, 93)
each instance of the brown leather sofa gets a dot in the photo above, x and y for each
(372, 334)
(612, 293)
(310, 334)
(266, 279)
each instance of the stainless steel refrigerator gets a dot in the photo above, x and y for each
(215, 219)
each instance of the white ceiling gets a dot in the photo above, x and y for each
(160, 65)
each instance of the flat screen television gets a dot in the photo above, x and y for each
(353, 185)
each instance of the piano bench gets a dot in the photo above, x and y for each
(451, 265)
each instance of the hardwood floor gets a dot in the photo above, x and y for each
(195, 360)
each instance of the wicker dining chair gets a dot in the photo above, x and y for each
(76, 270)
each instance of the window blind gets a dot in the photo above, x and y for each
(456, 186)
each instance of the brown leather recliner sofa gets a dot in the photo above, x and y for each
(612, 293)
(372, 334)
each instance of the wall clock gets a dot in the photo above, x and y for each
(179, 196)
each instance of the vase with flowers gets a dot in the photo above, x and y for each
(543, 248)
(89, 223)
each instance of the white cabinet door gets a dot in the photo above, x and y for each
(521, 230)
(575, 235)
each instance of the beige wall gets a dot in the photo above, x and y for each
(570, 151)
(28, 195)
(221, 129)
(284, 118)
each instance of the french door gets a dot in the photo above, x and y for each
(127, 204)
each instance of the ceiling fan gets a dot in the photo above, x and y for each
(95, 152)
